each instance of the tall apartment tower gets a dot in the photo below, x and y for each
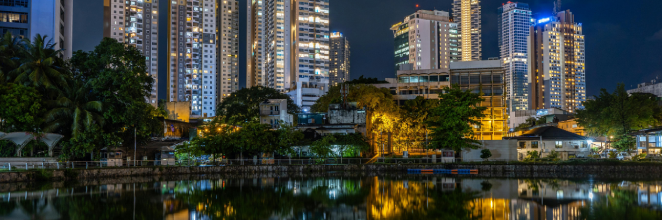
(514, 21)
(339, 66)
(288, 48)
(467, 14)
(135, 23)
(192, 72)
(556, 59)
(227, 50)
(27, 18)
(426, 40)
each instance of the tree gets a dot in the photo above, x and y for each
(21, 109)
(40, 65)
(288, 137)
(116, 75)
(532, 155)
(618, 114)
(9, 49)
(452, 119)
(244, 105)
(554, 156)
(73, 113)
(349, 143)
(368, 80)
(322, 147)
(485, 154)
(413, 115)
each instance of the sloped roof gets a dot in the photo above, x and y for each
(548, 133)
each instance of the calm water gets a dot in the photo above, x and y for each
(369, 197)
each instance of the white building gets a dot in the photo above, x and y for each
(135, 23)
(426, 40)
(514, 22)
(544, 140)
(467, 13)
(27, 18)
(556, 59)
(288, 48)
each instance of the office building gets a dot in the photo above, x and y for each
(425, 40)
(227, 54)
(485, 76)
(192, 48)
(514, 20)
(288, 48)
(27, 18)
(556, 59)
(467, 14)
(135, 23)
(340, 65)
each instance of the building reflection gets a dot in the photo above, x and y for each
(422, 197)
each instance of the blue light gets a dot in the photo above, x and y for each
(544, 20)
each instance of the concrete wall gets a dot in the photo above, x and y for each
(501, 150)
(340, 116)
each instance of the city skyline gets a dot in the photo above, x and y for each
(372, 43)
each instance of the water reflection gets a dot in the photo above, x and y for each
(414, 197)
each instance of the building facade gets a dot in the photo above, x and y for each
(202, 48)
(339, 66)
(288, 44)
(467, 13)
(556, 66)
(514, 21)
(27, 18)
(135, 23)
(474, 75)
(227, 54)
(425, 40)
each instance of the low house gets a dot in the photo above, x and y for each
(274, 112)
(649, 141)
(544, 140)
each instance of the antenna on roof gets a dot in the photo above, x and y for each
(557, 6)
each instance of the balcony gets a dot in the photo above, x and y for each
(269, 112)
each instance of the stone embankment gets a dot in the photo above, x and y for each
(496, 171)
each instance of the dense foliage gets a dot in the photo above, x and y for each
(96, 99)
(617, 114)
(451, 121)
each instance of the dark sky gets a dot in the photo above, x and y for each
(623, 38)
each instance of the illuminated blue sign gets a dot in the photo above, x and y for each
(544, 20)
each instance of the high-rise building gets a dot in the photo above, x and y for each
(135, 23)
(514, 20)
(27, 18)
(339, 66)
(288, 47)
(192, 48)
(425, 40)
(227, 52)
(556, 59)
(467, 14)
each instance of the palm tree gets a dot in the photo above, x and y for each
(9, 48)
(73, 110)
(39, 64)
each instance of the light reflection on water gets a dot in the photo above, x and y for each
(420, 197)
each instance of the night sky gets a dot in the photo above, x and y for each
(623, 38)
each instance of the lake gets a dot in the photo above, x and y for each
(335, 196)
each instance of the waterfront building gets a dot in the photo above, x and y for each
(514, 21)
(556, 62)
(339, 67)
(473, 75)
(135, 23)
(274, 112)
(544, 140)
(467, 13)
(288, 48)
(425, 40)
(27, 18)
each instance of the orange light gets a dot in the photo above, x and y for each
(417, 5)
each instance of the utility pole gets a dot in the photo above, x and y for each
(135, 141)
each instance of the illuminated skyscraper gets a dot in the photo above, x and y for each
(288, 47)
(426, 40)
(467, 14)
(514, 20)
(135, 23)
(340, 53)
(556, 59)
(227, 53)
